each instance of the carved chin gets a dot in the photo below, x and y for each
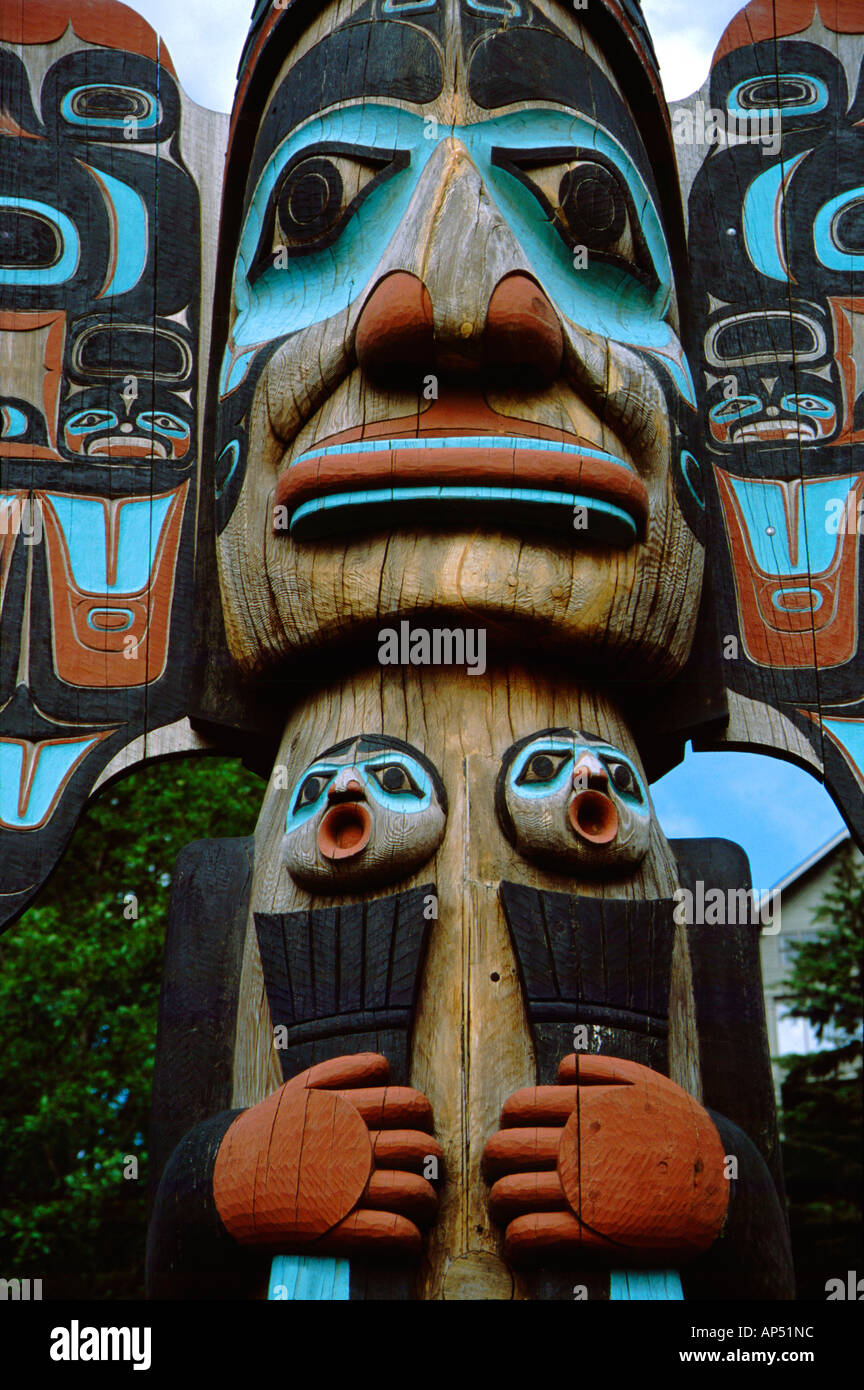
(595, 835)
(348, 847)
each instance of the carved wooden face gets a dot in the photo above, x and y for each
(367, 812)
(453, 373)
(569, 800)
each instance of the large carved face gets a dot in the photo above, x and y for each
(452, 378)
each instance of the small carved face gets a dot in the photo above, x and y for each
(569, 800)
(367, 812)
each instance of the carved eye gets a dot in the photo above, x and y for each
(315, 196)
(310, 790)
(543, 766)
(164, 423)
(86, 420)
(623, 777)
(592, 206)
(587, 199)
(310, 200)
(395, 779)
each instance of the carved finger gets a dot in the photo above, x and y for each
(522, 1193)
(405, 1193)
(540, 1105)
(391, 1107)
(520, 1151)
(550, 1233)
(376, 1232)
(588, 1069)
(363, 1069)
(404, 1148)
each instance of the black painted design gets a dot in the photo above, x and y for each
(345, 979)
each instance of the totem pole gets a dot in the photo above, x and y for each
(437, 1029)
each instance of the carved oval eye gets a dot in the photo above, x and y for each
(593, 205)
(395, 779)
(543, 767)
(310, 790)
(623, 777)
(310, 200)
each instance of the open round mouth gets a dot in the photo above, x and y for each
(344, 831)
(588, 493)
(594, 817)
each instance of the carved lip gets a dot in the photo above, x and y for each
(345, 830)
(545, 477)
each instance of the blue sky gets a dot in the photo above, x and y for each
(779, 813)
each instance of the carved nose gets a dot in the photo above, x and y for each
(396, 334)
(523, 329)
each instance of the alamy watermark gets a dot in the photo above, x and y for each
(437, 646)
(719, 907)
(708, 125)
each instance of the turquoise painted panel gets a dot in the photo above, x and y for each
(133, 237)
(763, 508)
(309, 1278)
(139, 527)
(645, 1285)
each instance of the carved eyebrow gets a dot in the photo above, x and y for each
(362, 60)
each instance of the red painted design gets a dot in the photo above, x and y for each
(767, 19)
(104, 22)
(843, 312)
(97, 655)
(802, 634)
(29, 321)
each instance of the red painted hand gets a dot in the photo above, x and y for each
(615, 1158)
(330, 1163)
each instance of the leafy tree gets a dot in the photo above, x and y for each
(79, 992)
(822, 1112)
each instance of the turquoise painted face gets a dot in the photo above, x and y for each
(381, 168)
(369, 812)
(335, 192)
(570, 801)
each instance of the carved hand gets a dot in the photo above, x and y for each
(614, 1158)
(330, 1163)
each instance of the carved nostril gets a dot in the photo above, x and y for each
(522, 328)
(395, 327)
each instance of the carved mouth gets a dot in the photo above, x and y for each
(587, 492)
(594, 817)
(777, 430)
(345, 830)
(128, 446)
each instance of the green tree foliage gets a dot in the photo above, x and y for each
(822, 1117)
(79, 992)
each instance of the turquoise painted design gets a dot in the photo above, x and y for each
(365, 765)
(602, 298)
(163, 422)
(650, 1285)
(779, 596)
(479, 441)
(763, 506)
(817, 102)
(111, 612)
(13, 422)
(824, 240)
(53, 764)
(808, 405)
(86, 421)
(133, 237)
(760, 215)
(564, 774)
(690, 465)
(737, 408)
(849, 734)
(407, 6)
(505, 8)
(139, 527)
(70, 246)
(232, 452)
(152, 112)
(309, 1279)
(622, 522)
